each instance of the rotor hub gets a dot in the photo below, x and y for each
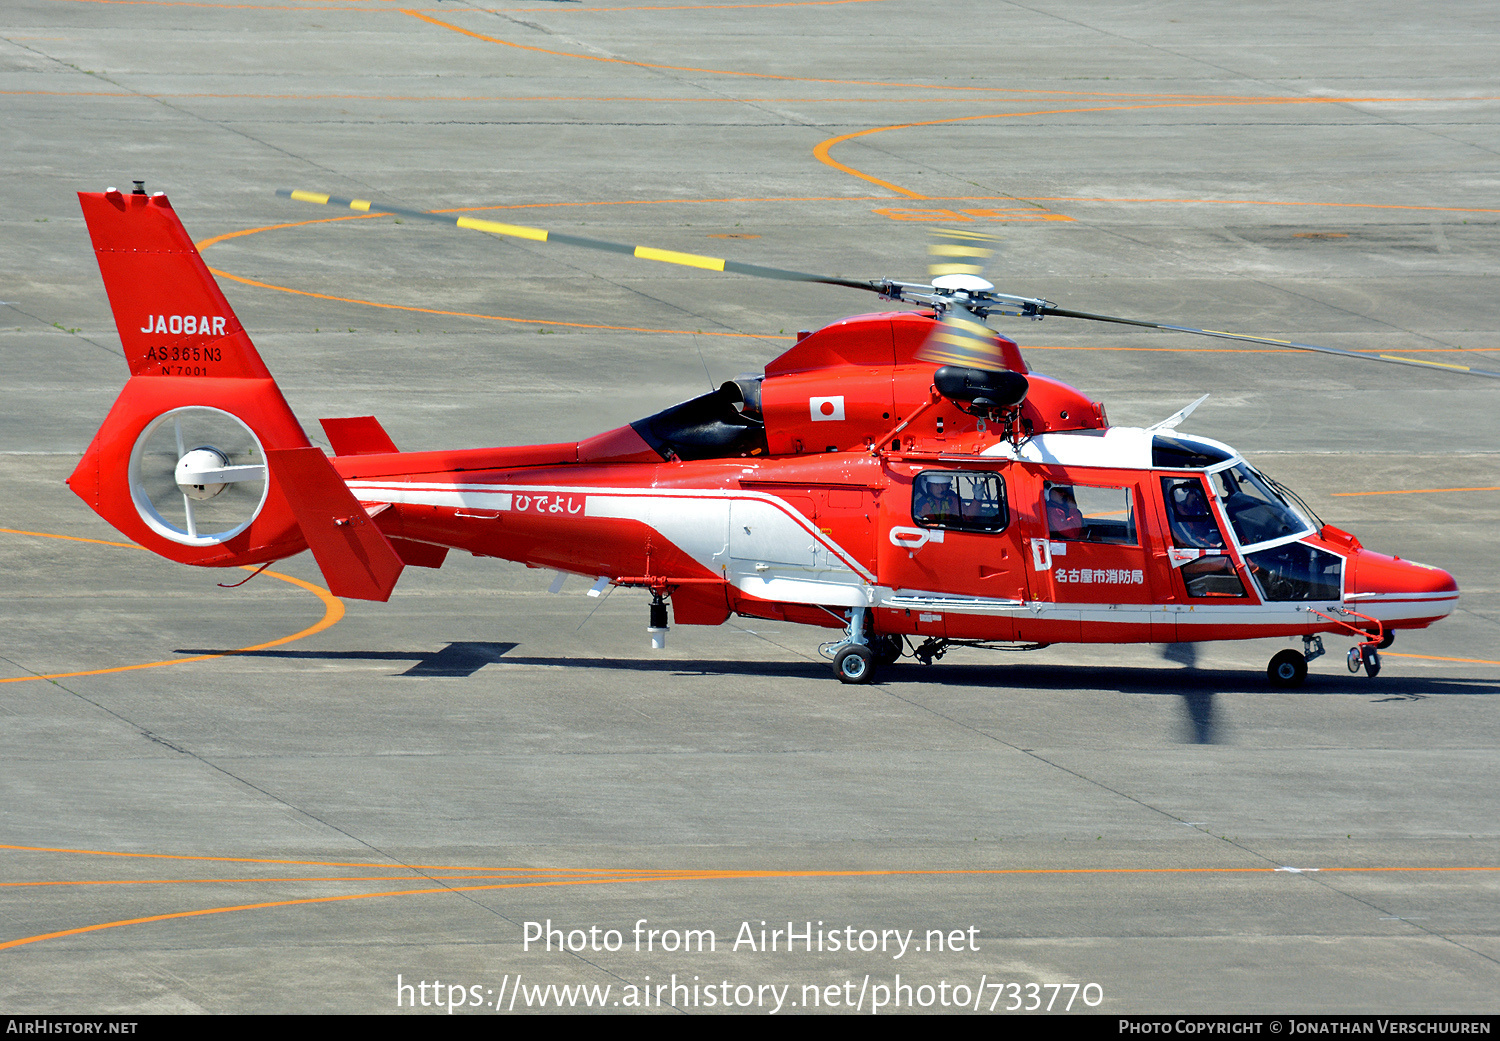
(196, 470)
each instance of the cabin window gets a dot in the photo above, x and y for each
(1084, 513)
(959, 500)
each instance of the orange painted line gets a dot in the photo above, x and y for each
(1421, 491)
(820, 151)
(684, 876)
(424, 16)
(261, 879)
(201, 246)
(333, 610)
(289, 863)
(295, 903)
(650, 99)
(414, 13)
(70, 538)
(1274, 202)
(206, 243)
(704, 872)
(1434, 657)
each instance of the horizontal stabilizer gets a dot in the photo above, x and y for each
(358, 435)
(356, 558)
(419, 554)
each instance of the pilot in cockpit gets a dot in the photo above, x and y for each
(1193, 524)
(936, 501)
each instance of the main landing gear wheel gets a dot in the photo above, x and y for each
(1287, 669)
(855, 664)
(888, 649)
(1386, 640)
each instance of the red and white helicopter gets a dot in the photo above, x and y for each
(901, 476)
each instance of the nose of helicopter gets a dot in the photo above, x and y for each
(1402, 593)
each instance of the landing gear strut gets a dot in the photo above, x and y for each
(1366, 653)
(854, 659)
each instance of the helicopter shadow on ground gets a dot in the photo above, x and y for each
(1197, 687)
(454, 659)
(461, 659)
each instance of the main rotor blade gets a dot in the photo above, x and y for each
(520, 231)
(1393, 359)
(961, 334)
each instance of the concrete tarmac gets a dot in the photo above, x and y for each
(365, 813)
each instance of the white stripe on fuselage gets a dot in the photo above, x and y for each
(773, 551)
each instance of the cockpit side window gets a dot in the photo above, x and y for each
(1084, 513)
(960, 500)
(1189, 514)
(1194, 527)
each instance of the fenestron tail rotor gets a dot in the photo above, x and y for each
(958, 292)
(198, 476)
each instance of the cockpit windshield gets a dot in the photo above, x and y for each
(1255, 511)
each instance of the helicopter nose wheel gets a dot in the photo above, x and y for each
(1288, 669)
(1365, 656)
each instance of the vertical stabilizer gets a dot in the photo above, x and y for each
(172, 316)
